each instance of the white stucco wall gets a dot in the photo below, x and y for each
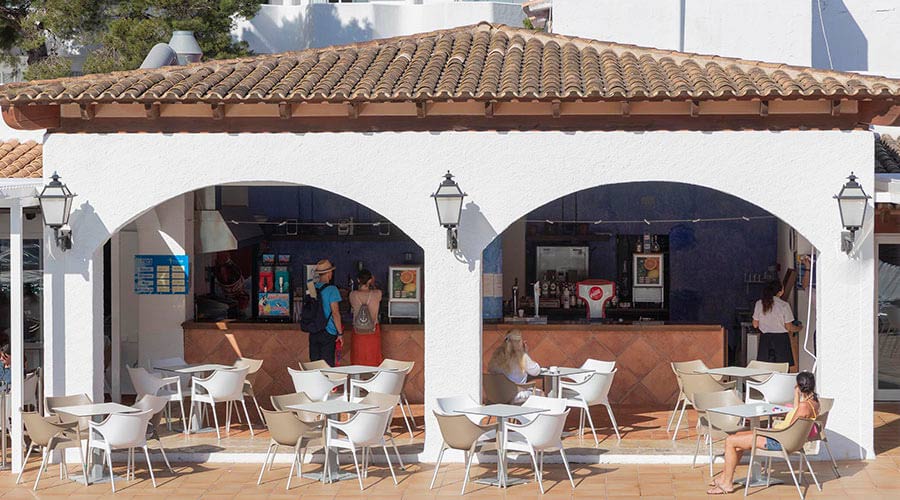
(760, 167)
(280, 28)
(861, 34)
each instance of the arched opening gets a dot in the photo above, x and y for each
(643, 274)
(220, 273)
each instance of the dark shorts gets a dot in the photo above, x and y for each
(772, 445)
(775, 348)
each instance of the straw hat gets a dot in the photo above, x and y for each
(324, 266)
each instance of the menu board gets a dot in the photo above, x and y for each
(161, 274)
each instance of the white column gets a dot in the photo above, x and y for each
(452, 334)
(17, 330)
(73, 317)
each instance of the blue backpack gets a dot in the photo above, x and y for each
(312, 315)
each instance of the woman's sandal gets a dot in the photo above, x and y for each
(718, 489)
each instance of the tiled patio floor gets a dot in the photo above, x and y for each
(875, 479)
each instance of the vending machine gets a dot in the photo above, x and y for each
(648, 285)
(273, 287)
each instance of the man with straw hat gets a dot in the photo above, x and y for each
(322, 344)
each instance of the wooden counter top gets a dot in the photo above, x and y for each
(236, 326)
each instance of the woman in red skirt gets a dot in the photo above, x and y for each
(365, 346)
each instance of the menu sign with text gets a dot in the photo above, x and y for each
(161, 274)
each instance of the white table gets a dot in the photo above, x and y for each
(98, 473)
(192, 370)
(501, 413)
(354, 372)
(559, 373)
(752, 413)
(328, 409)
(738, 373)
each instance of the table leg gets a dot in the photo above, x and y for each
(756, 477)
(330, 467)
(97, 472)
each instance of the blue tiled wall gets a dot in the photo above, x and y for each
(309, 204)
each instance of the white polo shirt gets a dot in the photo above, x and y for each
(774, 320)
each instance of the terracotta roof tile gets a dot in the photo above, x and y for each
(887, 154)
(20, 160)
(483, 61)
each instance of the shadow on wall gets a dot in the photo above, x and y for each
(474, 235)
(314, 26)
(842, 38)
(84, 221)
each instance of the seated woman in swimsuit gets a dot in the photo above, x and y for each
(806, 405)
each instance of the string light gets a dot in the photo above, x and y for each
(296, 223)
(648, 222)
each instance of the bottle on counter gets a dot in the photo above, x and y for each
(639, 246)
(655, 244)
(566, 298)
(515, 296)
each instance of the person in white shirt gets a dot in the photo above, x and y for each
(511, 359)
(774, 319)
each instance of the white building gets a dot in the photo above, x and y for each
(284, 25)
(379, 123)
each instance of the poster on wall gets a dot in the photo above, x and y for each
(404, 284)
(274, 305)
(161, 274)
(648, 269)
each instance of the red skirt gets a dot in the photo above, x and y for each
(365, 348)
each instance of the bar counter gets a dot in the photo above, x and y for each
(642, 352)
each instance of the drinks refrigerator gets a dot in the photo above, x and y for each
(648, 285)
(273, 287)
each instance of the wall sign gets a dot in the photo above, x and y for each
(161, 274)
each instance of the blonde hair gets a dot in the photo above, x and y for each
(510, 355)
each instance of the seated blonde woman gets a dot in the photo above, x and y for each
(806, 405)
(511, 359)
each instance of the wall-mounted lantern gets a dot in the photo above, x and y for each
(56, 206)
(852, 203)
(449, 200)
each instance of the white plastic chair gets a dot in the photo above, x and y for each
(314, 384)
(543, 433)
(777, 389)
(121, 431)
(450, 405)
(385, 383)
(595, 365)
(156, 405)
(253, 365)
(594, 390)
(29, 390)
(146, 383)
(223, 386)
(172, 362)
(362, 431)
(552, 405)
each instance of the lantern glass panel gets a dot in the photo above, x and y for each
(54, 210)
(448, 209)
(853, 211)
